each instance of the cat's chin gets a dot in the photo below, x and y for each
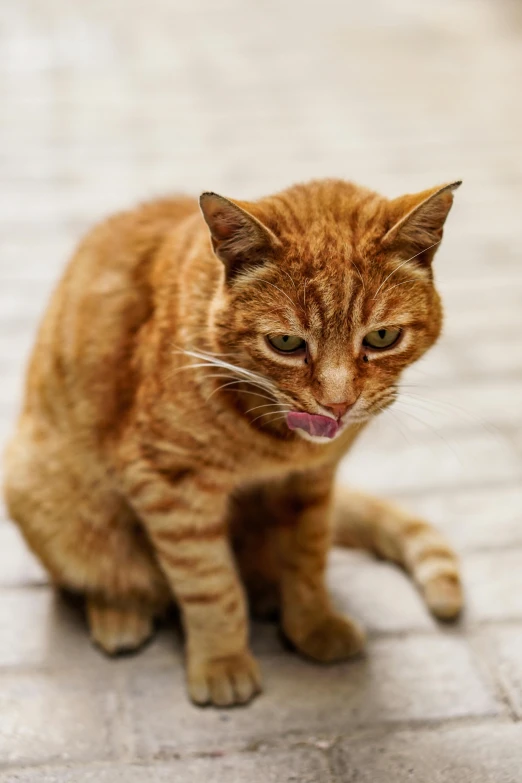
(318, 438)
(345, 424)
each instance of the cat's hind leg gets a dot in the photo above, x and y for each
(86, 536)
(116, 629)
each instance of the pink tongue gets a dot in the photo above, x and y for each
(312, 424)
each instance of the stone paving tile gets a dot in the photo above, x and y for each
(460, 754)
(490, 311)
(482, 517)
(493, 585)
(17, 564)
(34, 629)
(41, 628)
(516, 437)
(27, 260)
(11, 390)
(484, 407)
(378, 594)
(503, 647)
(23, 300)
(55, 718)
(504, 356)
(385, 461)
(437, 366)
(297, 765)
(417, 679)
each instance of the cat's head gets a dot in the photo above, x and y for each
(327, 296)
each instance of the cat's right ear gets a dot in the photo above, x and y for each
(238, 238)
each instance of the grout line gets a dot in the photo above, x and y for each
(485, 664)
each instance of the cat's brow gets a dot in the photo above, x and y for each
(383, 314)
(286, 319)
(401, 265)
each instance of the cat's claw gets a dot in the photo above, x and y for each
(224, 682)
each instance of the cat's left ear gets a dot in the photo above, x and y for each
(238, 238)
(418, 221)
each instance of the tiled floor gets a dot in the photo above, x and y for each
(102, 104)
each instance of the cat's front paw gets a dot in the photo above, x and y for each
(224, 681)
(331, 639)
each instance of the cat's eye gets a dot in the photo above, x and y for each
(286, 343)
(380, 339)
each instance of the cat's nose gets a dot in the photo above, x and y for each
(338, 408)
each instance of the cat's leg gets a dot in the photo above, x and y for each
(117, 629)
(256, 552)
(186, 517)
(394, 534)
(86, 536)
(301, 512)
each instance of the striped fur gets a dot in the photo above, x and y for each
(152, 461)
(393, 534)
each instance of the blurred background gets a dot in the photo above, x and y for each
(105, 104)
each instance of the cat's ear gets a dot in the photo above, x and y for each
(418, 221)
(238, 238)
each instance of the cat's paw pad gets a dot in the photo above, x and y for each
(118, 631)
(224, 681)
(334, 638)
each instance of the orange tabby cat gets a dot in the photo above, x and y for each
(188, 402)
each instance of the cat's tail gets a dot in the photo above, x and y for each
(364, 522)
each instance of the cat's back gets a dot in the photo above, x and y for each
(84, 349)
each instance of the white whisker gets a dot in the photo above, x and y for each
(359, 274)
(284, 294)
(290, 278)
(268, 405)
(270, 413)
(240, 371)
(446, 408)
(404, 264)
(412, 281)
(224, 386)
(430, 427)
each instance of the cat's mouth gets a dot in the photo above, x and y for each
(313, 424)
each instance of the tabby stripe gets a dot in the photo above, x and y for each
(232, 606)
(209, 487)
(171, 535)
(164, 506)
(201, 598)
(193, 564)
(414, 528)
(179, 561)
(434, 552)
(138, 488)
(435, 568)
(427, 540)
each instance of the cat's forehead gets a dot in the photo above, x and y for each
(343, 290)
(325, 232)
